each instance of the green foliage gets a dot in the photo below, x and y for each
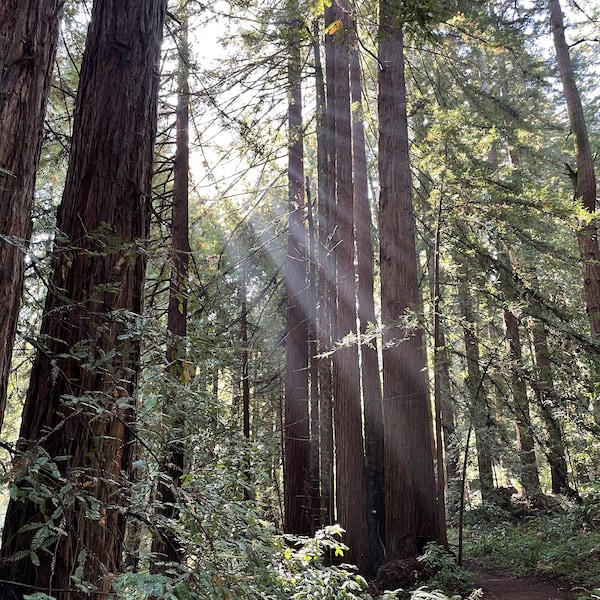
(448, 576)
(253, 562)
(565, 545)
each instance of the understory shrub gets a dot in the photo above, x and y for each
(564, 544)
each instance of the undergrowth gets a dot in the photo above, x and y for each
(564, 543)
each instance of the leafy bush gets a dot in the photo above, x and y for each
(565, 545)
(448, 576)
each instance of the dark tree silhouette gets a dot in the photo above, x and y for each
(79, 411)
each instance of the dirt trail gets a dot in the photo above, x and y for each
(503, 587)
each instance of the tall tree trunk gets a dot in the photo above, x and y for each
(296, 476)
(351, 486)
(166, 547)
(584, 180)
(525, 441)
(371, 383)
(529, 477)
(325, 275)
(79, 409)
(28, 36)
(410, 490)
(546, 396)
(313, 365)
(478, 407)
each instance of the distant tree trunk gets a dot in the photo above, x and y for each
(325, 271)
(546, 396)
(245, 357)
(167, 547)
(296, 476)
(351, 485)
(478, 408)
(28, 36)
(529, 477)
(410, 489)
(371, 383)
(79, 408)
(584, 179)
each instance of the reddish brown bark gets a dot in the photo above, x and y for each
(584, 179)
(351, 485)
(166, 547)
(296, 476)
(28, 36)
(325, 269)
(79, 404)
(410, 492)
(371, 383)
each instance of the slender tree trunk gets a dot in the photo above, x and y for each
(325, 274)
(245, 357)
(371, 382)
(525, 441)
(350, 464)
(478, 407)
(584, 180)
(79, 409)
(410, 490)
(438, 402)
(28, 36)
(313, 368)
(529, 476)
(167, 547)
(296, 425)
(546, 395)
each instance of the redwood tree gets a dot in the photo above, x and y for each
(351, 485)
(296, 433)
(410, 490)
(371, 382)
(584, 177)
(28, 35)
(70, 485)
(166, 546)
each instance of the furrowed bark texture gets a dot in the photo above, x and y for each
(350, 463)
(79, 407)
(28, 36)
(371, 383)
(410, 492)
(584, 181)
(296, 477)
(325, 270)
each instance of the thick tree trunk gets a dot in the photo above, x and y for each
(166, 547)
(371, 383)
(410, 490)
(79, 409)
(296, 477)
(28, 36)
(584, 179)
(350, 462)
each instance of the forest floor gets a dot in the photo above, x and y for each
(504, 587)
